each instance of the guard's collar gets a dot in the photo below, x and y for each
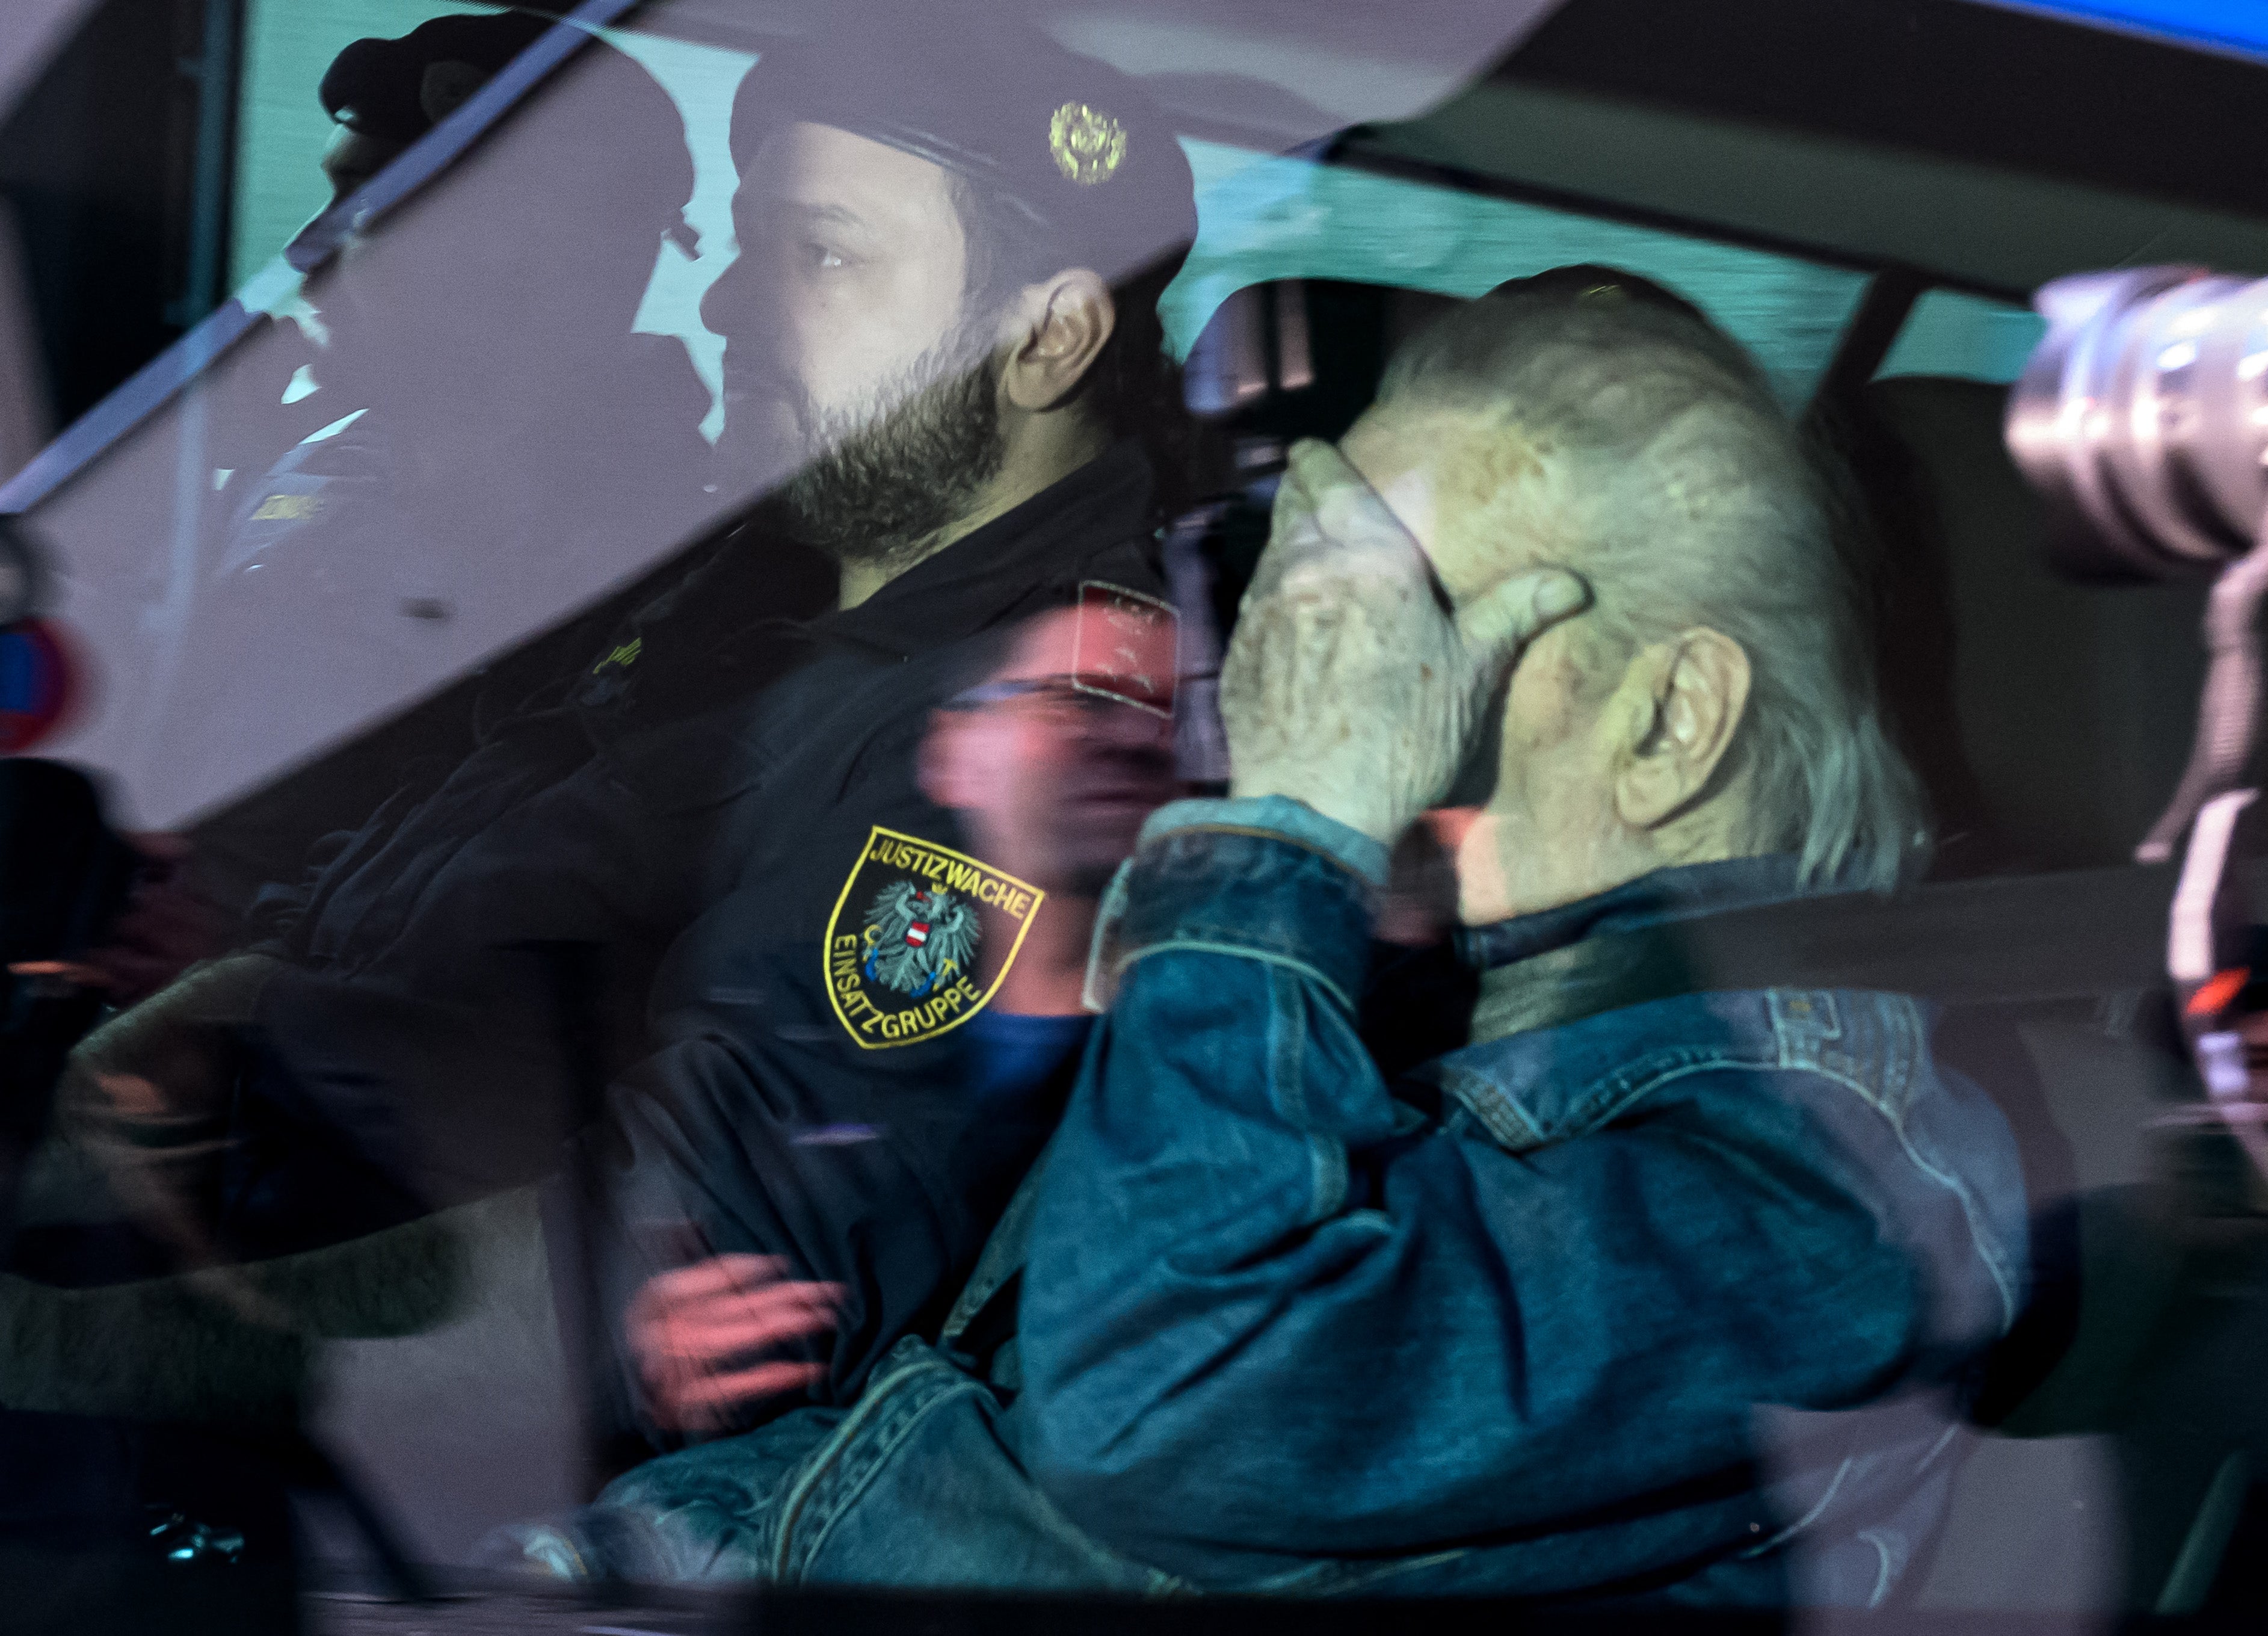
(992, 572)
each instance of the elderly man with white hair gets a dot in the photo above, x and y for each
(1507, 1323)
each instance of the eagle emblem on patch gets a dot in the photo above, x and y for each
(917, 938)
(1088, 144)
(903, 944)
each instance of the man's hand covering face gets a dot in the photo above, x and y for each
(1350, 685)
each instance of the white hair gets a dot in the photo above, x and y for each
(1694, 500)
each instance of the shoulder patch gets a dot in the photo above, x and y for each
(901, 945)
(1128, 649)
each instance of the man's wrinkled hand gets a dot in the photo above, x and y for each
(1349, 684)
(699, 1333)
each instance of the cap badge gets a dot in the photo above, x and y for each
(1088, 144)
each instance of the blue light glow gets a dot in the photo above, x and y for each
(2228, 25)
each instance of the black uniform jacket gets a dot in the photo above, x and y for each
(634, 888)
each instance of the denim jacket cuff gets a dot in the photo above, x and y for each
(1264, 879)
(1279, 815)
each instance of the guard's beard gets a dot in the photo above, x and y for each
(878, 485)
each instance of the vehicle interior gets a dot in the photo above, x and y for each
(1866, 194)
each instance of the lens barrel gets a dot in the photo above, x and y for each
(2142, 421)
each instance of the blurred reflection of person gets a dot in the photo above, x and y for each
(1052, 765)
(493, 429)
(943, 326)
(384, 94)
(380, 95)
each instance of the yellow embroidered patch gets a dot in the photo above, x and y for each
(287, 508)
(900, 951)
(624, 657)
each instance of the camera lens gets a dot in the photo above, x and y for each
(2142, 419)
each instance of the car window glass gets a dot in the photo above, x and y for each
(1263, 217)
(1964, 336)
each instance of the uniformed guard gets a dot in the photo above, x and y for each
(980, 446)
(942, 332)
(1050, 766)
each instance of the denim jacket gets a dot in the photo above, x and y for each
(1640, 1302)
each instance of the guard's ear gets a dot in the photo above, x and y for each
(1057, 329)
(1677, 710)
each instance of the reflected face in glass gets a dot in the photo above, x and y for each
(351, 158)
(1054, 777)
(846, 297)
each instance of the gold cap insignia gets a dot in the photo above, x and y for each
(1088, 144)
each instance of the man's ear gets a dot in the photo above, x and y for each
(1058, 329)
(1688, 697)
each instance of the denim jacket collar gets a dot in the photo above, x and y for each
(1663, 897)
(1618, 947)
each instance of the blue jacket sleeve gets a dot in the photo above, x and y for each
(1272, 1312)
